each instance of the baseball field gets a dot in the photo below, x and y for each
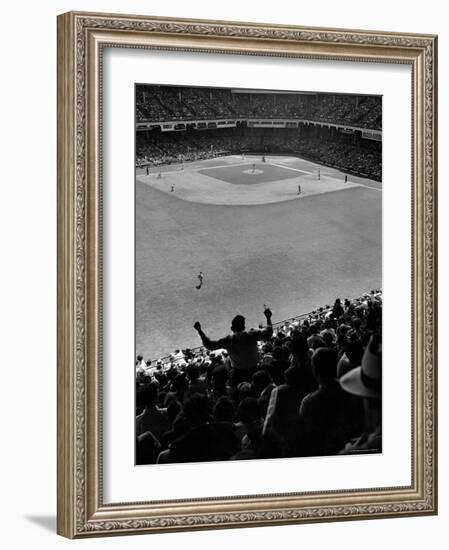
(278, 230)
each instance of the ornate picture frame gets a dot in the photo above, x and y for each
(82, 38)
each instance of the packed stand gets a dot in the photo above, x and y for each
(310, 386)
(165, 103)
(344, 152)
(322, 145)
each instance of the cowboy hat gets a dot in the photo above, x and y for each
(366, 380)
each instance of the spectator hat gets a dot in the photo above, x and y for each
(366, 380)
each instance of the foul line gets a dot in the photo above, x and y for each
(246, 163)
(369, 186)
(305, 172)
(290, 168)
(226, 165)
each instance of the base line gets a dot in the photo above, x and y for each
(290, 168)
(370, 187)
(305, 172)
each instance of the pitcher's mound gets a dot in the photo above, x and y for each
(251, 172)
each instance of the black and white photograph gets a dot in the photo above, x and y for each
(258, 276)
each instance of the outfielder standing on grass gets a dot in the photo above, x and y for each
(200, 279)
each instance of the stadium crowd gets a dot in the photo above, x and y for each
(310, 386)
(346, 152)
(361, 157)
(162, 103)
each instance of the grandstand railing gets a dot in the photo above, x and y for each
(276, 326)
(252, 122)
(316, 313)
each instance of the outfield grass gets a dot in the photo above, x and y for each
(294, 256)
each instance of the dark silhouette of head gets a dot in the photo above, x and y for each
(174, 407)
(147, 448)
(260, 380)
(238, 323)
(193, 372)
(150, 394)
(197, 409)
(354, 352)
(180, 383)
(219, 378)
(248, 410)
(224, 410)
(299, 344)
(324, 365)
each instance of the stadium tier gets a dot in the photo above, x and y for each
(169, 104)
(176, 124)
(348, 152)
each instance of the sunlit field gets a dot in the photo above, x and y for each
(257, 237)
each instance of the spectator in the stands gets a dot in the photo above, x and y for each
(351, 358)
(281, 429)
(224, 410)
(219, 384)
(179, 387)
(249, 417)
(314, 340)
(195, 384)
(260, 381)
(152, 419)
(306, 413)
(365, 382)
(324, 413)
(147, 448)
(205, 441)
(337, 310)
(241, 346)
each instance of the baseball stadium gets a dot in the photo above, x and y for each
(258, 274)
(280, 205)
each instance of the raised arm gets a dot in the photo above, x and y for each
(207, 342)
(267, 332)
